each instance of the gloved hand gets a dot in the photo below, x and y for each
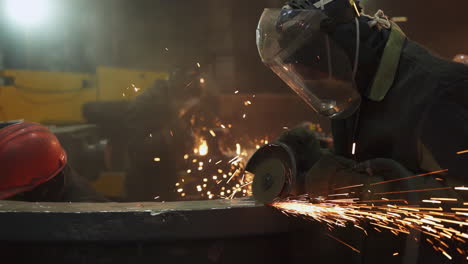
(395, 177)
(304, 143)
(332, 172)
(387, 168)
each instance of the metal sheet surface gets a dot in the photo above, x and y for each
(137, 221)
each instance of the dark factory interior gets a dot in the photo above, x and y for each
(234, 131)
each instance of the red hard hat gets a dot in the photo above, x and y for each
(29, 155)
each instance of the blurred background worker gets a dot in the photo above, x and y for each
(154, 130)
(387, 96)
(34, 167)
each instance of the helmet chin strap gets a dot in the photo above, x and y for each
(322, 4)
(330, 68)
(358, 43)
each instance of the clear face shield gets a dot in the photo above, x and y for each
(291, 43)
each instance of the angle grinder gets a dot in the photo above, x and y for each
(281, 171)
(275, 170)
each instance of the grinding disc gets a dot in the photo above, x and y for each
(269, 180)
(274, 168)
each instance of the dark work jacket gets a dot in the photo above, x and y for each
(421, 121)
(67, 186)
(77, 189)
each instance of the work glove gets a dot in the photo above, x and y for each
(304, 143)
(331, 173)
(386, 168)
(399, 182)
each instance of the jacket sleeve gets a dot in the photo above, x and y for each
(444, 131)
(77, 189)
(149, 111)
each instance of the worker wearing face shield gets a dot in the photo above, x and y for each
(399, 114)
(396, 109)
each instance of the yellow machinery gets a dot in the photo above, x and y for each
(57, 97)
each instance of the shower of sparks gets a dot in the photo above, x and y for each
(444, 226)
(211, 178)
(353, 152)
(462, 152)
(461, 188)
(215, 165)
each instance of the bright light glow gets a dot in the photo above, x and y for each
(238, 149)
(28, 12)
(203, 148)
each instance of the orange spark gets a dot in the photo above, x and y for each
(349, 187)
(411, 177)
(338, 194)
(384, 201)
(431, 201)
(411, 191)
(342, 242)
(459, 209)
(447, 255)
(212, 133)
(445, 199)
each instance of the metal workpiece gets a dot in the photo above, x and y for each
(42, 222)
